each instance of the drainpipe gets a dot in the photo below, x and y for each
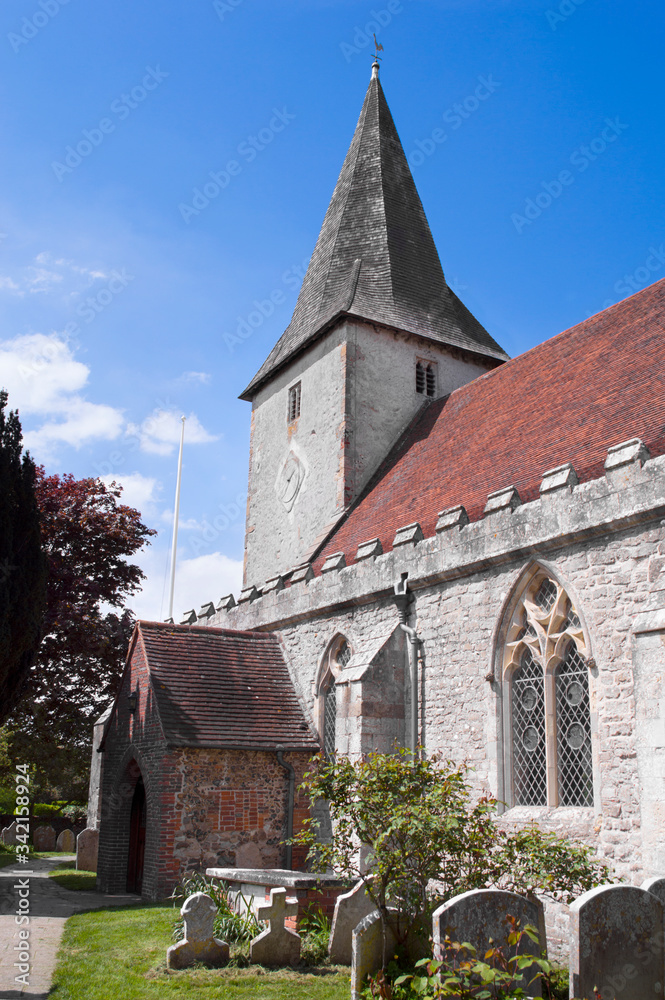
(402, 602)
(289, 809)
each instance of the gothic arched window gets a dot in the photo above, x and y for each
(546, 673)
(335, 659)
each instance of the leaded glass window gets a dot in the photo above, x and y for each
(573, 731)
(343, 654)
(549, 730)
(329, 720)
(529, 749)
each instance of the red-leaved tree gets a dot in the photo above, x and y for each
(88, 537)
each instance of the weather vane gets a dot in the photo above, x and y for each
(378, 47)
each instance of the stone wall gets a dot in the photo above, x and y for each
(358, 394)
(603, 542)
(230, 808)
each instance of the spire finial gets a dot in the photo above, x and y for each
(378, 47)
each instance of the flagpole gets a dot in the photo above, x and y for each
(176, 517)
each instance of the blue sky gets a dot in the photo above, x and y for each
(122, 292)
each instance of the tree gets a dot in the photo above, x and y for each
(403, 822)
(87, 537)
(22, 563)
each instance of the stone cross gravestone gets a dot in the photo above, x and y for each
(43, 839)
(199, 944)
(616, 943)
(349, 911)
(276, 945)
(66, 842)
(480, 915)
(9, 835)
(87, 844)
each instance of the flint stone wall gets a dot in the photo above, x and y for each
(604, 540)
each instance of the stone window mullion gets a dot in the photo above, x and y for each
(551, 742)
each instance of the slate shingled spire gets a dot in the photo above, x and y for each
(375, 257)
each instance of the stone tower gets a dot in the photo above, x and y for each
(375, 335)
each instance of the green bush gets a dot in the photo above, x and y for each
(75, 811)
(7, 801)
(46, 810)
(421, 824)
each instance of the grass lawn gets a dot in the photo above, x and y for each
(73, 878)
(121, 953)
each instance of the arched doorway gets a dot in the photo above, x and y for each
(137, 824)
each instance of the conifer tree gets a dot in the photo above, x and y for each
(22, 563)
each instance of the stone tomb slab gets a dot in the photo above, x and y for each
(481, 914)
(43, 838)
(616, 943)
(276, 945)
(656, 885)
(350, 909)
(87, 844)
(199, 943)
(66, 842)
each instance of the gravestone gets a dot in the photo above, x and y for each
(367, 949)
(616, 943)
(481, 914)
(199, 944)
(276, 945)
(9, 838)
(349, 911)
(43, 839)
(656, 885)
(66, 842)
(87, 844)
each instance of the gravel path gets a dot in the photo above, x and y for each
(49, 907)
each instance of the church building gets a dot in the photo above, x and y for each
(444, 547)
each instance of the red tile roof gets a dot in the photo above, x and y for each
(567, 400)
(220, 688)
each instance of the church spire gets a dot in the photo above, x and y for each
(375, 258)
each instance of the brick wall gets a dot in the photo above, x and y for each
(205, 808)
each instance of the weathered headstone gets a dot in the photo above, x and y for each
(616, 943)
(349, 911)
(481, 914)
(43, 838)
(87, 844)
(199, 944)
(9, 838)
(367, 950)
(276, 945)
(656, 885)
(66, 842)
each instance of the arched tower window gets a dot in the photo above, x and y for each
(334, 660)
(546, 678)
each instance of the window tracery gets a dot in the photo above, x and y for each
(546, 670)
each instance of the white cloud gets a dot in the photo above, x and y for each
(159, 433)
(46, 273)
(203, 378)
(43, 379)
(139, 491)
(206, 578)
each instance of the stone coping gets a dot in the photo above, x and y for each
(282, 877)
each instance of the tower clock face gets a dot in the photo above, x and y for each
(290, 480)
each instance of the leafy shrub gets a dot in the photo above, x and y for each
(7, 801)
(235, 921)
(421, 825)
(46, 810)
(75, 811)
